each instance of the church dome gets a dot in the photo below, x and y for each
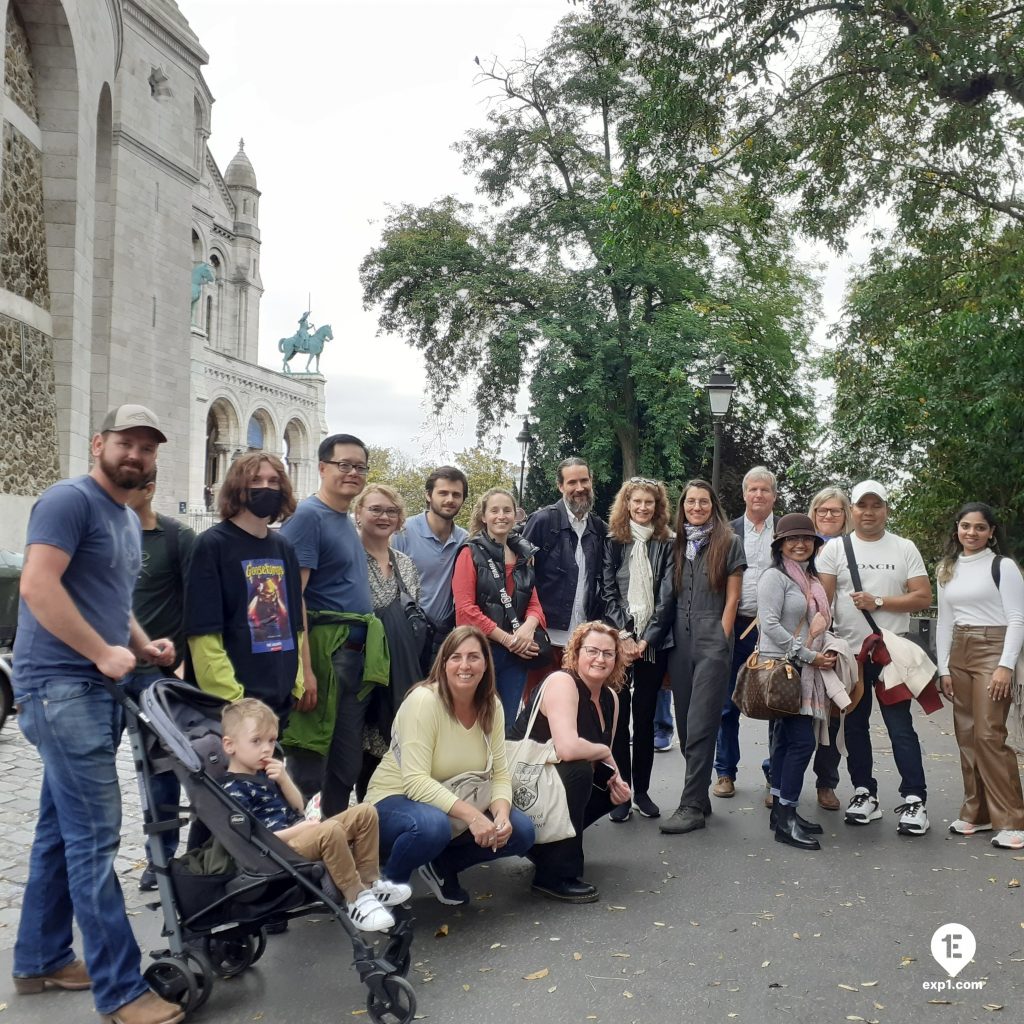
(240, 172)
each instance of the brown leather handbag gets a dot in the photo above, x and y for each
(768, 688)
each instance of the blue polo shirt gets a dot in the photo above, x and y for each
(435, 562)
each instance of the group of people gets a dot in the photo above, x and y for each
(394, 656)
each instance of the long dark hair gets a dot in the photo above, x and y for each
(484, 698)
(953, 548)
(718, 543)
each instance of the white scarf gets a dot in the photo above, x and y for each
(640, 594)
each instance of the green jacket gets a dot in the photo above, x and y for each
(312, 730)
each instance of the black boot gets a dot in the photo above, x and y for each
(812, 828)
(788, 830)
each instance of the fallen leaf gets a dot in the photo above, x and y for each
(854, 1016)
(696, 924)
(552, 989)
(537, 975)
(1013, 883)
(868, 984)
(554, 938)
(766, 963)
(628, 994)
(848, 988)
(991, 1006)
(796, 935)
(733, 1015)
(941, 1002)
(879, 1006)
(441, 932)
(624, 956)
(465, 988)
(614, 906)
(484, 970)
(485, 896)
(659, 924)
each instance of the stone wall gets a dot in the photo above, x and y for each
(23, 268)
(19, 79)
(28, 427)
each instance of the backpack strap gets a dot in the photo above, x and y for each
(171, 528)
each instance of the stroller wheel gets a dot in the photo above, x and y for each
(172, 979)
(400, 1006)
(230, 954)
(203, 973)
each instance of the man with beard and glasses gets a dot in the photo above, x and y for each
(567, 566)
(76, 630)
(432, 540)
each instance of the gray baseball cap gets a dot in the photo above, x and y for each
(132, 417)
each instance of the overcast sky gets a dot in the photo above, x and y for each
(347, 106)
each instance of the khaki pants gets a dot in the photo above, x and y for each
(992, 789)
(348, 846)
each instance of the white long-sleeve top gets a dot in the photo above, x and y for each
(970, 598)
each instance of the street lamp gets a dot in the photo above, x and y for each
(524, 438)
(720, 388)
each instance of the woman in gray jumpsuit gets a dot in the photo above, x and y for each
(709, 564)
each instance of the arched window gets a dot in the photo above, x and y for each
(254, 434)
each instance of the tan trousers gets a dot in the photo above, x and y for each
(348, 844)
(992, 789)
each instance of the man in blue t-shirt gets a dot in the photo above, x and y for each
(75, 629)
(332, 561)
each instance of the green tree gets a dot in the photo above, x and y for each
(615, 328)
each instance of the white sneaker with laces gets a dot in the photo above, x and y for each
(390, 894)
(367, 914)
(1009, 839)
(913, 817)
(967, 828)
(863, 808)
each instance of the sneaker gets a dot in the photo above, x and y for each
(646, 806)
(447, 890)
(621, 813)
(863, 808)
(967, 828)
(724, 787)
(663, 741)
(391, 894)
(913, 817)
(147, 880)
(1009, 839)
(367, 914)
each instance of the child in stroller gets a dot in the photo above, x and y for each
(259, 782)
(216, 901)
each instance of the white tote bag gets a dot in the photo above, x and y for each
(537, 788)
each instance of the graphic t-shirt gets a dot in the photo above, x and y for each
(248, 590)
(263, 799)
(885, 566)
(104, 540)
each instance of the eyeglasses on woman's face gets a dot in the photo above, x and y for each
(828, 513)
(599, 653)
(383, 512)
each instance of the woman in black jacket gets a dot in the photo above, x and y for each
(637, 592)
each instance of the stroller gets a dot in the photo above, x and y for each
(215, 924)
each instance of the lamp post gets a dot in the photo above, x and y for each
(524, 439)
(720, 388)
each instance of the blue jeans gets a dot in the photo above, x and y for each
(510, 673)
(76, 727)
(727, 752)
(906, 747)
(165, 788)
(792, 750)
(414, 833)
(663, 713)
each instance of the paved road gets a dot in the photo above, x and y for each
(720, 925)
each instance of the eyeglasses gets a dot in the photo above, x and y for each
(377, 512)
(598, 653)
(697, 503)
(828, 513)
(344, 468)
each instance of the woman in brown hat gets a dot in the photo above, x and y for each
(794, 614)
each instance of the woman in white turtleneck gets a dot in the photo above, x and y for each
(980, 634)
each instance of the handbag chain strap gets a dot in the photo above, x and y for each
(505, 599)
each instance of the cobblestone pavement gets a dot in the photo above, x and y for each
(19, 803)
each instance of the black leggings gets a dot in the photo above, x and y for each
(638, 700)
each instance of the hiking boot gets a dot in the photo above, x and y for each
(147, 1009)
(827, 799)
(685, 819)
(72, 976)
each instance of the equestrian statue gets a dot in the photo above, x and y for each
(311, 343)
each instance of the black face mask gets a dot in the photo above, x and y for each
(264, 502)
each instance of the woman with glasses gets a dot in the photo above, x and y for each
(707, 580)
(637, 591)
(578, 709)
(980, 634)
(493, 587)
(832, 516)
(379, 514)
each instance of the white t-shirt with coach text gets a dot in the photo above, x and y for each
(885, 566)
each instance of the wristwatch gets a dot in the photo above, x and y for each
(879, 601)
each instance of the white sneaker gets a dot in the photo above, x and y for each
(367, 914)
(1009, 839)
(863, 808)
(967, 828)
(913, 817)
(390, 894)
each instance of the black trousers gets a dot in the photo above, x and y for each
(638, 700)
(587, 803)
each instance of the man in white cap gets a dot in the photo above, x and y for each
(75, 629)
(893, 583)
